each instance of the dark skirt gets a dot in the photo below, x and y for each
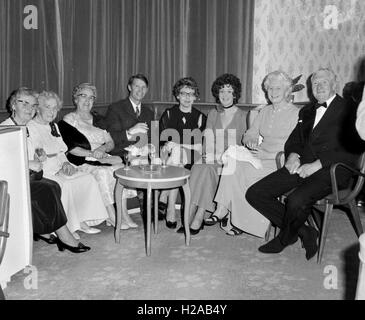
(47, 210)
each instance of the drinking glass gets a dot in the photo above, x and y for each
(164, 155)
(126, 158)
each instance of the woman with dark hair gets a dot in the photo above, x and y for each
(225, 126)
(181, 119)
(48, 214)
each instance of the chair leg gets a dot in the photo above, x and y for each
(355, 215)
(325, 223)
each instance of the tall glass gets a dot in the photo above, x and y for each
(126, 158)
(164, 155)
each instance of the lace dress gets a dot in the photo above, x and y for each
(103, 175)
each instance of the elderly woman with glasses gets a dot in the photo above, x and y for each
(80, 193)
(225, 126)
(48, 214)
(88, 148)
(176, 131)
(265, 138)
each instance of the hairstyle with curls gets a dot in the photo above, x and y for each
(47, 95)
(76, 90)
(139, 76)
(227, 79)
(16, 94)
(188, 82)
(277, 75)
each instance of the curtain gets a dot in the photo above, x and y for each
(106, 41)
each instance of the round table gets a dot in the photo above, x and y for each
(169, 177)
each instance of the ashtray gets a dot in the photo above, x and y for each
(150, 168)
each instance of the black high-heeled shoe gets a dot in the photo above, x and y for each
(171, 225)
(79, 249)
(193, 232)
(51, 240)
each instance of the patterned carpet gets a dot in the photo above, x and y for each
(215, 266)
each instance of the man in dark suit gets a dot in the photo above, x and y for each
(129, 121)
(314, 145)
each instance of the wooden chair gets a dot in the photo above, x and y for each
(4, 222)
(341, 198)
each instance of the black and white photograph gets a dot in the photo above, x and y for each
(182, 156)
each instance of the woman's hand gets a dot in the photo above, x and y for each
(35, 165)
(98, 153)
(251, 144)
(68, 169)
(40, 154)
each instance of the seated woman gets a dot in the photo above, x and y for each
(226, 125)
(179, 118)
(273, 124)
(80, 193)
(48, 214)
(88, 148)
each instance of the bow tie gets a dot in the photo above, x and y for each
(318, 105)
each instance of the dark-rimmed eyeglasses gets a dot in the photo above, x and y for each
(27, 104)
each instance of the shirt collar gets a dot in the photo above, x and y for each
(135, 105)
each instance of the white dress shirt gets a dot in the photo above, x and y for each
(322, 110)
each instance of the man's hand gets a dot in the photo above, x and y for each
(308, 169)
(98, 154)
(293, 163)
(140, 127)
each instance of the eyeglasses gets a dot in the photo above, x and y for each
(83, 95)
(27, 104)
(187, 94)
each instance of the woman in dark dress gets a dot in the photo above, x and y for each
(48, 214)
(181, 128)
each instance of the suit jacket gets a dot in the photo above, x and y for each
(327, 141)
(120, 117)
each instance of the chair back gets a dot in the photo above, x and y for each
(4, 216)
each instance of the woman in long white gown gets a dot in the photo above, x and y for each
(81, 197)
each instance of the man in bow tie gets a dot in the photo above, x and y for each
(315, 144)
(129, 121)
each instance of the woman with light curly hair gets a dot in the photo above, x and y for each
(265, 138)
(89, 147)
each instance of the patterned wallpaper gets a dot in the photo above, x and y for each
(299, 36)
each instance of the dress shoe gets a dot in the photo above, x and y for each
(123, 226)
(90, 230)
(51, 240)
(309, 237)
(171, 225)
(79, 249)
(275, 245)
(192, 231)
(211, 221)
